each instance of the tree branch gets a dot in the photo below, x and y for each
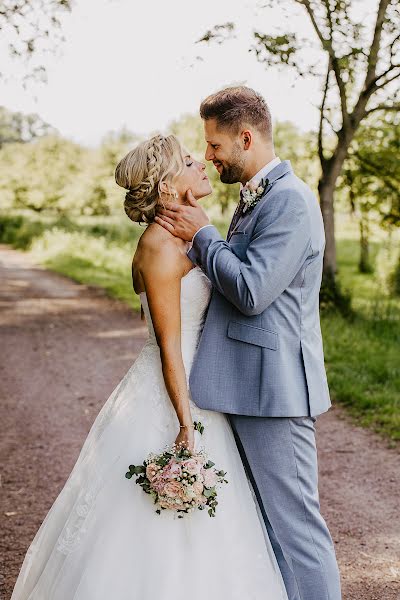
(382, 85)
(370, 83)
(321, 152)
(376, 170)
(328, 47)
(376, 43)
(388, 107)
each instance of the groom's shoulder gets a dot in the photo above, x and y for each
(287, 194)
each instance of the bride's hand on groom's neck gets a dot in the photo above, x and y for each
(182, 220)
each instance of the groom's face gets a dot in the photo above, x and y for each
(225, 151)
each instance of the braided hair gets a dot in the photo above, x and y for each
(143, 170)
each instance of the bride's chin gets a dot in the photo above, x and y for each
(204, 193)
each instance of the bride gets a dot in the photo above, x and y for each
(101, 539)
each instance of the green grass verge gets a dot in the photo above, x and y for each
(362, 353)
(362, 360)
(96, 252)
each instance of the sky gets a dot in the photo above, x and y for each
(134, 64)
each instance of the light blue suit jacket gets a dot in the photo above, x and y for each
(261, 351)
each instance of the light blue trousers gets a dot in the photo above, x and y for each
(280, 457)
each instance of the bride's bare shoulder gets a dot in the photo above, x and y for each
(156, 241)
(158, 250)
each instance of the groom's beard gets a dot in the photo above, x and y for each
(232, 172)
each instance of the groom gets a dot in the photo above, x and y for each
(260, 357)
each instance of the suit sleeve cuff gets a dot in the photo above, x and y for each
(191, 244)
(201, 242)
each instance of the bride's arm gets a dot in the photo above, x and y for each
(162, 280)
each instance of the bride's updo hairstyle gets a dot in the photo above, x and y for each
(144, 170)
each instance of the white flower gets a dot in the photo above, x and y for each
(252, 194)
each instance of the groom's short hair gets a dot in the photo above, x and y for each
(237, 106)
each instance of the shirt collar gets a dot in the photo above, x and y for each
(262, 173)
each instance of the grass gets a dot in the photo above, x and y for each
(96, 251)
(361, 353)
(362, 360)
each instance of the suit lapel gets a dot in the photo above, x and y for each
(279, 171)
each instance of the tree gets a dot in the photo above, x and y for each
(18, 127)
(35, 176)
(30, 26)
(371, 176)
(358, 64)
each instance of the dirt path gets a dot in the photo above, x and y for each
(64, 347)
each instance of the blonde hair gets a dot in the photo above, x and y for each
(142, 172)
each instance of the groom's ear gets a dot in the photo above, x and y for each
(247, 139)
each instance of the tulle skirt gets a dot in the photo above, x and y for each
(102, 540)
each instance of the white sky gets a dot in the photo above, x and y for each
(132, 63)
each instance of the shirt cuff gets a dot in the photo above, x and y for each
(191, 244)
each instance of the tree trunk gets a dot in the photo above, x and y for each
(331, 170)
(364, 264)
(326, 188)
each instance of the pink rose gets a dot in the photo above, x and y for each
(175, 468)
(158, 485)
(171, 471)
(198, 488)
(192, 466)
(210, 478)
(173, 489)
(151, 472)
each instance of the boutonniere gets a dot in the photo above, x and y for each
(252, 194)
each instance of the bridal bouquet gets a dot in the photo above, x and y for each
(180, 480)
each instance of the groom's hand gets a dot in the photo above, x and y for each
(182, 220)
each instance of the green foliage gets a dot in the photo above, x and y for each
(299, 148)
(371, 175)
(53, 175)
(35, 176)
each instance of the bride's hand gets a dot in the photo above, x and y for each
(186, 438)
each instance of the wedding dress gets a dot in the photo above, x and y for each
(102, 539)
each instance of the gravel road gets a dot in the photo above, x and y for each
(65, 346)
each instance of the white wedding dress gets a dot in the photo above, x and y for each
(102, 540)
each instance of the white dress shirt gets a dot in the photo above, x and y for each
(262, 173)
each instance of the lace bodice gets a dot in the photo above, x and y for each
(195, 296)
